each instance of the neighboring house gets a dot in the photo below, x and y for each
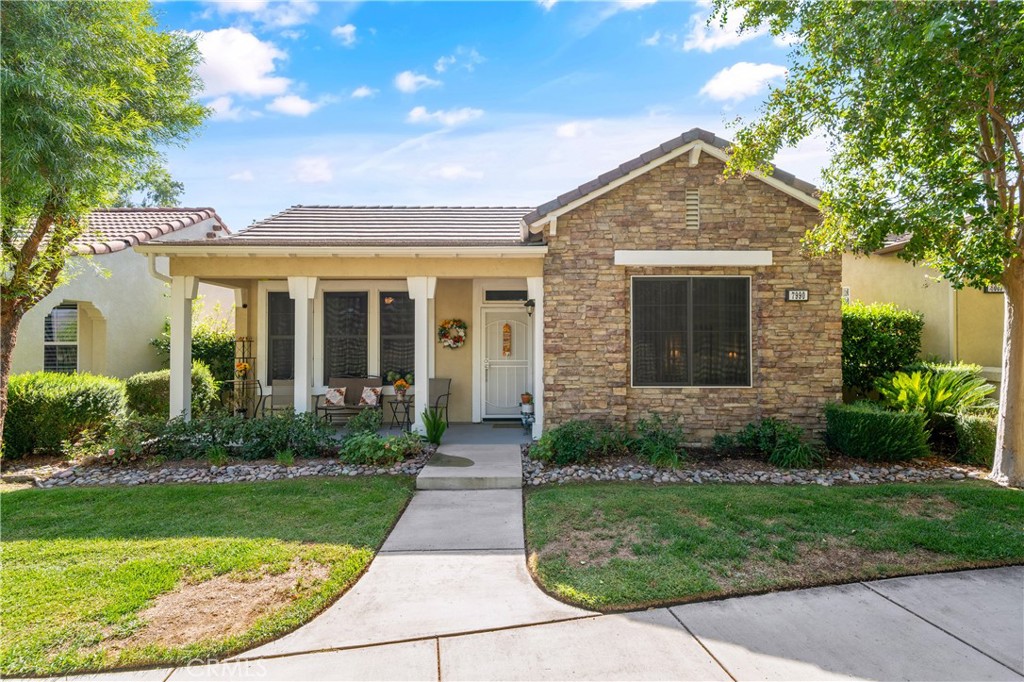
(102, 320)
(964, 325)
(658, 288)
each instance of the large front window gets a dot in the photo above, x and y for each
(691, 331)
(60, 339)
(397, 333)
(346, 315)
(281, 337)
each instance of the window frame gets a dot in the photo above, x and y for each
(750, 332)
(58, 344)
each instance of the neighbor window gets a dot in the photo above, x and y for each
(691, 331)
(60, 340)
(346, 319)
(397, 333)
(280, 337)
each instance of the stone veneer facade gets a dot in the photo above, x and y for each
(795, 364)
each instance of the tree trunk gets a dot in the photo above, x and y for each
(10, 319)
(1008, 467)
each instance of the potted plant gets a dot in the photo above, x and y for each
(526, 402)
(401, 386)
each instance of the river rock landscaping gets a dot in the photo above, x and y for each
(718, 469)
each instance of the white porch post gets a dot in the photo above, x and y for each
(302, 290)
(535, 291)
(183, 290)
(421, 290)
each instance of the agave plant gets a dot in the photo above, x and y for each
(939, 395)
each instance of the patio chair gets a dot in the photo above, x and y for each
(353, 390)
(282, 397)
(440, 392)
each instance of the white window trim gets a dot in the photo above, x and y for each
(373, 288)
(78, 335)
(750, 333)
(263, 288)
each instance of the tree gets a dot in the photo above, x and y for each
(922, 104)
(154, 188)
(89, 91)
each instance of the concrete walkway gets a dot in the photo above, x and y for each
(449, 598)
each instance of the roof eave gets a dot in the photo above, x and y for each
(326, 250)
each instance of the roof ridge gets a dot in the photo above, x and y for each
(153, 209)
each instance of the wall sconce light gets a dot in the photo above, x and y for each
(530, 305)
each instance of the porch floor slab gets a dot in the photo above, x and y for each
(460, 520)
(493, 467)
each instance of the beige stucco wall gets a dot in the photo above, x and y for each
(121, 308)
(962, 325)
(796, 346)
(454, 299)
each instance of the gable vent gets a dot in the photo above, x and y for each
(692, 209)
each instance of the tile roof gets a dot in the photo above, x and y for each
(647, 157)
(115, 229)
(386, 226)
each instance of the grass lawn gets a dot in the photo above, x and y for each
(94, 578)
(619, 546)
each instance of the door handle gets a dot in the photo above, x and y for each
(487, 363)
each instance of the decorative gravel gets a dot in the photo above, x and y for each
(539, 473)
(52, 476)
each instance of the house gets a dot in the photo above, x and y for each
(959, 325)
(656, 288)
(102, 320)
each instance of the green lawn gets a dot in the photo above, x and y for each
(624, 546)
(80, 565)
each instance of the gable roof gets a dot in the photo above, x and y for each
(116, 229)
(385, 226)
(695, 139)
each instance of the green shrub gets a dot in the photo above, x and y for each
(434, 425)
(614, 440)
(366, 421)
(869, 431)
(878, 338)
(660, 445)
(217, 455)
(46, 409)
(285, 458)
(939, 367)
(369, 448)
(574, 442)
(939, 396)
(781, 442)
(133, 437)
(975, 438)
(213, 343)
(149, 393)
(304, 435)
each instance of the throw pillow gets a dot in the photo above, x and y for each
(335, 396)
(370, 396)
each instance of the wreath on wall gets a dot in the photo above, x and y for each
(452, 333)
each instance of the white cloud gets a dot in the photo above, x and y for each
(449, 118)
(456, 171)
(346, 34)
(363, 91)
(606, 10)
(787, 40)
(409, 82)
(293, 105)
(547, 4)
(466, 57)
(573, 129)
(237, 62)
(224, 109)
(630, 5)
(714, 37)
(292, 34)
(312, 170)
(272, 14)
(242, 176)
(652, 40)
(742, 80)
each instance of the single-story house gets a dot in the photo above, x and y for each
(959, 325)
(102, 319)
(656, 288)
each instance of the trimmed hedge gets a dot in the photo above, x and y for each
(149, 393)
(878, 338)
(869, 431)
(975, 438)
(46, 408)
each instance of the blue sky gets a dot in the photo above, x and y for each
(442, 103)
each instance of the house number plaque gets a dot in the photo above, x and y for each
(799, 295)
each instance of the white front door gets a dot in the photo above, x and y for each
(506, 361)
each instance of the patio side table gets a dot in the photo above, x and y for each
(402, 410)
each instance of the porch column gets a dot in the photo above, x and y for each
(421, 290)
(535, 291)
(183, 290)
(302, 290)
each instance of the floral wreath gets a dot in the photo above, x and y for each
(452, 333)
